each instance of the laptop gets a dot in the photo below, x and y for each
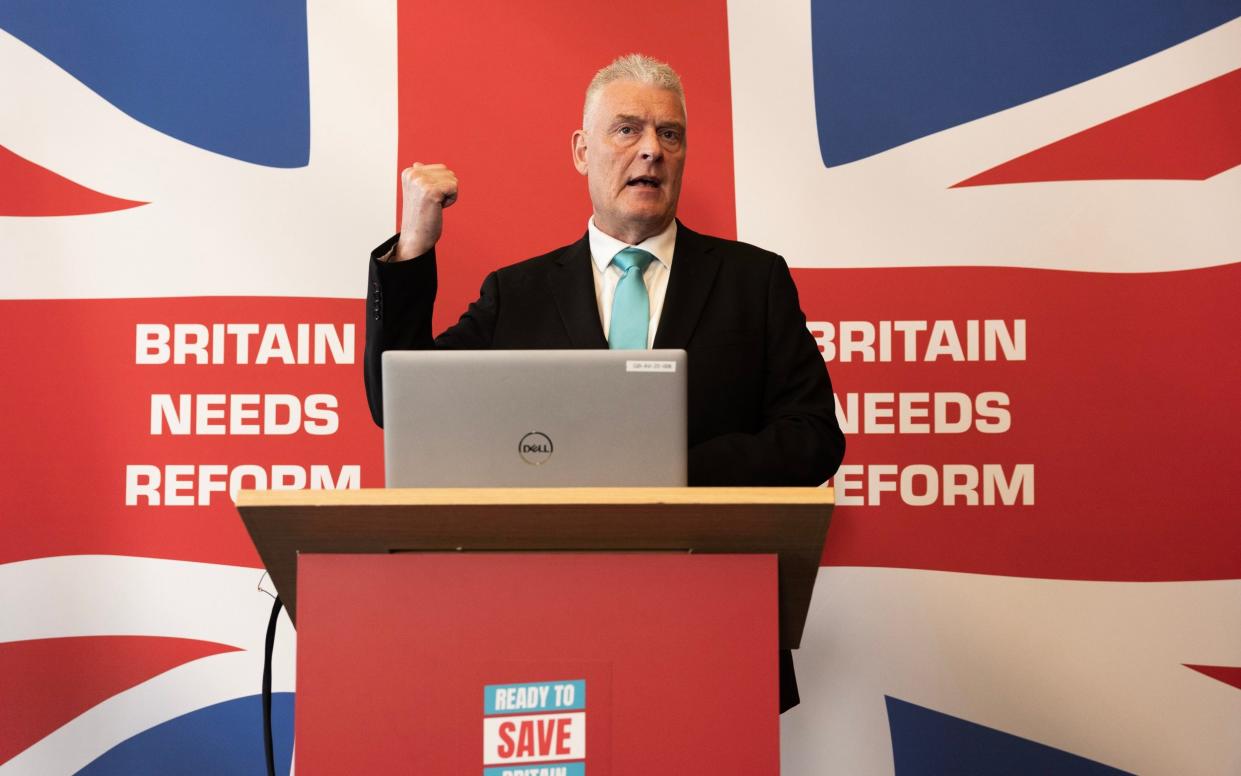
(535, 418)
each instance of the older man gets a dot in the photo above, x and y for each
(760, 401)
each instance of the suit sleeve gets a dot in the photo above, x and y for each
(400, 301)
(799, 441)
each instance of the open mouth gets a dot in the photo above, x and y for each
(644, 181)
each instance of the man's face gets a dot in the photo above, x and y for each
(632, 152)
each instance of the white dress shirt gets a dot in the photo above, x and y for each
(603, 247)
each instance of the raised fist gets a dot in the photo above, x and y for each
(426, 189)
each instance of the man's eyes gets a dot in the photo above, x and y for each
(668, 135)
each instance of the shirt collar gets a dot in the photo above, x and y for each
(604, 246)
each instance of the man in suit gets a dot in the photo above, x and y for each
(761, 410)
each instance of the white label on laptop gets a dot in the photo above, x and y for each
(650, 366)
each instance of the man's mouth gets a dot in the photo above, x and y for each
(644, 180)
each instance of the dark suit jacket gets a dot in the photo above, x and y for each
(760, 402)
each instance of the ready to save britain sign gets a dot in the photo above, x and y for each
(535, 729)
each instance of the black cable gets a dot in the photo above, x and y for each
(268, 648)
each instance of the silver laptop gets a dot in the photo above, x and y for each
(535, 418)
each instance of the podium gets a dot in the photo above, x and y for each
(540, 632)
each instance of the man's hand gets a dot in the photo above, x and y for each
(426, 189)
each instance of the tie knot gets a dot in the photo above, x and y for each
(629, 258)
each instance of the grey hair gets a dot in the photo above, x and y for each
(634, 67)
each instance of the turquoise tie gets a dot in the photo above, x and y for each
(631, 309)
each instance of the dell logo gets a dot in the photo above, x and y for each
(535, 448)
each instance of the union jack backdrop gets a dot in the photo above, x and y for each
(1015, 227)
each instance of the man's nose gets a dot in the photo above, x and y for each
(650, 147)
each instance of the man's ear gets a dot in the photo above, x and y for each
(579, 150)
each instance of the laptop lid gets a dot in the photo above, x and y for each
(535, 418)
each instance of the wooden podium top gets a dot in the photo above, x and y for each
(788, 522)
(482, 496)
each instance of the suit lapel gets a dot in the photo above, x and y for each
(693, 273)
(573, 287)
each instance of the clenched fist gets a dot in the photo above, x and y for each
(426, 189)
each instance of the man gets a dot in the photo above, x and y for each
(760, 402)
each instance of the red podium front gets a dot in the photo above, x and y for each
(549, 632)
(677, 656)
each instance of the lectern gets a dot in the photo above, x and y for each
(540, 632)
